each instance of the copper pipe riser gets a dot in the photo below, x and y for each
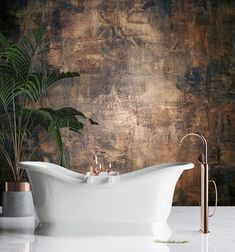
(204, 184)
(17, 187)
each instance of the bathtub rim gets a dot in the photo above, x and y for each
(66, 174)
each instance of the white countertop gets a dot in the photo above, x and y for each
(17, 236)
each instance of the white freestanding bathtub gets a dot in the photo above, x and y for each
(132, 204)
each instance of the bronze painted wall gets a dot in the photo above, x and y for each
(151, 71)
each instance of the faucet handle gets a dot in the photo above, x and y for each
(201, 158)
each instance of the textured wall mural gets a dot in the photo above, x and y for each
(151, 71)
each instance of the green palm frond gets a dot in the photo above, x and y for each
(19, 57)
(23, 81)
(64, 118)
(38, 84)
(71, 123)
(7, 134)
(35, 117)
(93, 121)
(18, 60)
(69, 112)
(52, 121)
(8, 91)
(64, 75)
(66, 112)
(39, 32)
(4, 135)
(35, 87)
(6, 71)
(4, 42)
(37, 43)
(27, 44)
(60, 144)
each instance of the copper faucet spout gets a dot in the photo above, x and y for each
(203, 139)
(204, 182)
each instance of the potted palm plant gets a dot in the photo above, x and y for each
(24, 79)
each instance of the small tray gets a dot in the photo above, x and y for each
(103, 177)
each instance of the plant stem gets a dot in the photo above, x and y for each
(43, 139)
(23, 134)
(16, 142)
(8, 160)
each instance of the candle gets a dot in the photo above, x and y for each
(96, 160)
(91, 170)
(110, 165)
(100, 167)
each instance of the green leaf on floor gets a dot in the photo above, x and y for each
(171, 241)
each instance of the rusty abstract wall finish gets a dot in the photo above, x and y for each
(151, 71)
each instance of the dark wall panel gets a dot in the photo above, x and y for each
(151, 71)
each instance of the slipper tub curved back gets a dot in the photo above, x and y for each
(135, 203)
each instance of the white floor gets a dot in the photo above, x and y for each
(17, 236)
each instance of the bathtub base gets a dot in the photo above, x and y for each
(156, 230)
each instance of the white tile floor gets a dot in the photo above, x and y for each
(17, 236)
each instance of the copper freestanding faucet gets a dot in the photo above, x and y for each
(204, 184)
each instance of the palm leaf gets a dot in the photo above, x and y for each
(52, 121)
(18, 77)
(4, 42)
(4, 135)
(7, 134)
(34, 118)
(60, 144)
(38, 84)
(6, 71)
(64, 118)
(37, 42)
(67, 111)
(38, 34)
(17, 58)
(8, 91)
(27, 44)
(69, 122)
(93, 122)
